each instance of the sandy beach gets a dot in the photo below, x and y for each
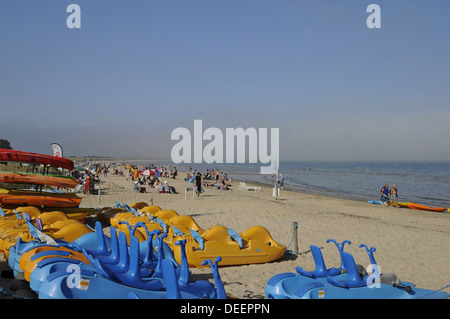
(412, 244)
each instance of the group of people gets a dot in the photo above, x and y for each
(89, 175)
(153, 182)
(211, 178)
(88, 181)
(133, 172)
(210, 174)
(389, 196)
(160, 187)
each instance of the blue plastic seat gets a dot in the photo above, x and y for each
(321, 270)
(353, 279)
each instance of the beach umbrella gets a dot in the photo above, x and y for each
(147, 172)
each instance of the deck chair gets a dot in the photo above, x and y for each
(249, 188)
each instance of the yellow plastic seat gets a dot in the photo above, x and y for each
(217, 233)
(71, 232)
(33, 211)
(151, 209)
(48, 218)
(122, 216)
(166, 214)
(137, 234)
(259, 233)
(60, 224)
(184, 223)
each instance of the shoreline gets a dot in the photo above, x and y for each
(412, 244)
(335, 188)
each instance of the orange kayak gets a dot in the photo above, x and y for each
(59, 181)
(39, 200)
(428, 208)
(34, 198)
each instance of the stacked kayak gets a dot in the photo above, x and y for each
(349, 281)
(40, 198)
(8, 155)
(36, 179)
(254, 245)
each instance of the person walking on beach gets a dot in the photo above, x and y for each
(394, 195)
(198, 183)
(384, 192)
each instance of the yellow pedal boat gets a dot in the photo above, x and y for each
(253, 246)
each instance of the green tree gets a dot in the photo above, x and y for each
(5, 144)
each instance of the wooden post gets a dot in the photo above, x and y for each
(295, 226)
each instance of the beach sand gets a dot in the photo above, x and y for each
(413, 244)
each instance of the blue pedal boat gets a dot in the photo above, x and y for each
(111, 255)
(124, 279)
(351, 282)
(285, 285)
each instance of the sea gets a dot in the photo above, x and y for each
(426, 183)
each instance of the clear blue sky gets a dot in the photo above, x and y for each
(138, 69)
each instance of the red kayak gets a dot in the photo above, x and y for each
(428, 208)
(28, 157)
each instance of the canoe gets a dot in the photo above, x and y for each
(58, 181)
(28, 157)
(53, 193)
(39, 200)
(34, 198)
(428, 208)
(376, 202)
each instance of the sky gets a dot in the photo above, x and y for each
(136, 70)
